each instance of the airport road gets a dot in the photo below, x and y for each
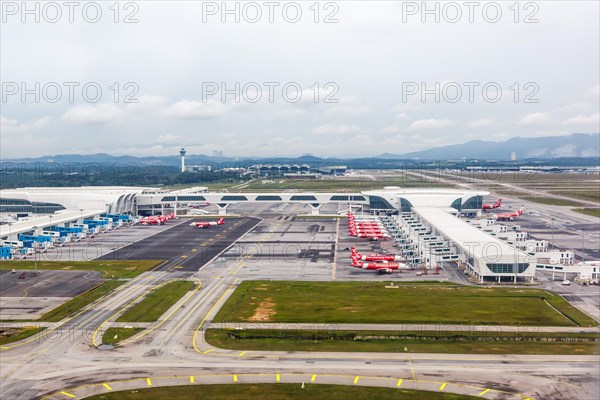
(59, 365)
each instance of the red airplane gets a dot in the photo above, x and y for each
(492, 206)
(208, 224)
(508, 216)
(152, 220)
(384, 268)
(373, 257)
(156, 219)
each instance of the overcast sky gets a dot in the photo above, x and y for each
(377, 58)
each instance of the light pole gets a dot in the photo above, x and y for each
(552, 232)
(582, 246)
(34, 252)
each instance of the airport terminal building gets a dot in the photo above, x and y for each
(485, 257)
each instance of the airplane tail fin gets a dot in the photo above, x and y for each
(499, 203)
(221, 221)
(172, 215)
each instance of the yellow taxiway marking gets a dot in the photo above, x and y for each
(235, 378)
(241, 354)
(356, 378)
(312, 379)
(148, 381)
(399, 382)
(208, 351)
(412, 370)
(191, 379)
(277, 377)
(443, 385)
(207, 314)
(183, 256)
(106, 385)
(178, 267)
(68, 394)
(194, 250)
(484, 392)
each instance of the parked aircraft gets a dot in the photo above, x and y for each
(208, 224)
(492, 206)
(384, 268)
(508, 216)
(374, 257)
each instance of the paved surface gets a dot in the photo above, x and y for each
(25, 295)
(67, 363)
(186, 247)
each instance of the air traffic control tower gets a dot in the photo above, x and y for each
(182, 154)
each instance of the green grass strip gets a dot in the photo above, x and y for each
(157, 302)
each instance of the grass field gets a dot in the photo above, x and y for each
(14, 335)
(109, 269)
(79, 302)
(551, 201)
(370, 302)
(280, 391)
(397, 341)
(589, 194)
(156, 303)
(594, 212)
(120, 333)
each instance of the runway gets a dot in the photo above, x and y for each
(185, 247)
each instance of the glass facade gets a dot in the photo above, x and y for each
(339, 198)
(303, 198)
(456, 204)
(379, 203)
(473, 203)
(184, 198)
(234, 198)
(24, 206)
(507, 268)
(268, 198)
(405, 205)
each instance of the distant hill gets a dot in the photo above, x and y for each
(547, 147)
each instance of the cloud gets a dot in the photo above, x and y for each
(345, 111)
(592, 119)
(431, 123)
(537, 118)
(576, 108)
(12, 126)
(401, 115)
(594, 91)
(190, 109)
(391, 129)
(331, 129)
(93, 114)
(290, 112)
(482, 122)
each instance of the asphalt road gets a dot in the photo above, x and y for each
(186, 247)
